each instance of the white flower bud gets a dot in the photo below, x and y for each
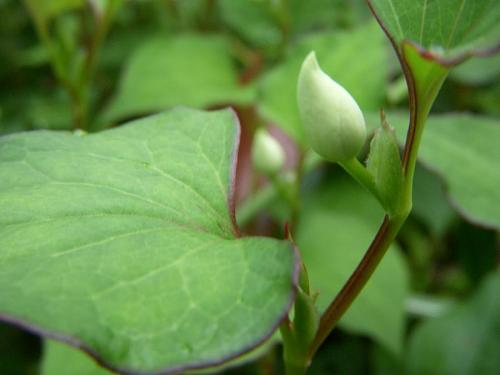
(333, 122)
(268, 156)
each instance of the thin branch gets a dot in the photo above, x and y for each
(351, 289)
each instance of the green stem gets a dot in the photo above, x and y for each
(358, 171)
(295, 369)
(77, 88)
(288, 191)
(383, 239)
(391, 225)
(299, 175)
(42, 31)
(296, 363)
(86, 77)
(284, 20)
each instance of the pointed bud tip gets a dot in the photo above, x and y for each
(311, 61)
(332, 120)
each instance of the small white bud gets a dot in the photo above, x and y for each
(333, 122)
(268, 156)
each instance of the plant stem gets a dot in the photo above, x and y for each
(358, 171)
(77, 88)
(299, 175)
(295, 369)
(424, 80)
(295, 361)
(383, 239)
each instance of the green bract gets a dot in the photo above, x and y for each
(331, 117)
(267, 154)
(384, 164)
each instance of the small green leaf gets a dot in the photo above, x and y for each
(339, 54)
(335, 229)
(465, 341)
(124, 243)
(384, 164)
(189, 69)
(306, 320)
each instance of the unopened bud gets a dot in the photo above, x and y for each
(331, 117)
(268, 156)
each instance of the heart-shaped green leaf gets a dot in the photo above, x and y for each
(124, 243)
(189, 69)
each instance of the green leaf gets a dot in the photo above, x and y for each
(430, 37)
(465, 341)
(60, 359)
(335, 230)
(254, 21)
(478, 71)
(189, 69)
(123, 243)
(462, 149)
(446, 31)
(429, 202)
(339, 55)
(384, 164)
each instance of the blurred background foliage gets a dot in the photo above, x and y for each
(433, 305)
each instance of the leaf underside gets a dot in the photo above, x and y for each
(123, 243)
